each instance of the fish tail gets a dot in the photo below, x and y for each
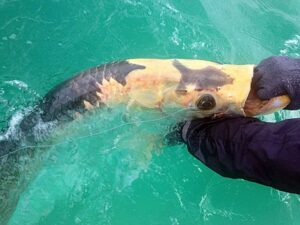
(8, 146)
(13, 138)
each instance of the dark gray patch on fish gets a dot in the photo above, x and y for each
(207, 78)
(70, 94)
(117, 71)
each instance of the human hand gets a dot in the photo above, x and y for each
(278, 75)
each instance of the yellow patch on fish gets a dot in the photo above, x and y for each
(87, 105)
(156, 85)
(112, 92)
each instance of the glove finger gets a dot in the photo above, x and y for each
(265, 93)
(257, 75)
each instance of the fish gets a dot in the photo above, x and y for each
(201, 88)
(198, 88)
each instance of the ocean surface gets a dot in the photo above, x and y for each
(102, 169)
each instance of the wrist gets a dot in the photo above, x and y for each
(184, 131)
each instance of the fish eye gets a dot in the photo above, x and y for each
(206, 102)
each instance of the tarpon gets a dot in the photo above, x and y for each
(202, 88)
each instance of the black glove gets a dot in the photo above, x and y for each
(174, 136)
(245, 147)
(178, 133)
(278, 75)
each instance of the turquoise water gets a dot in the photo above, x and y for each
(102, 170)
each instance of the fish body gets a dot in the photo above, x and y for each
(200, 88)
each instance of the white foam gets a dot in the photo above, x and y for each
(12, 131)
(41, 129)
(12, 36)
(208, 210)
(197, 45)
(171, 8)
(175, 37)
(291, 46)
(17, 83)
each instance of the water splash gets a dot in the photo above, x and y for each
(291, 46)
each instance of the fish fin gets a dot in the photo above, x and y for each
(87, 105)
(182, 68)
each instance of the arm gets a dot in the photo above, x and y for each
(266, 153)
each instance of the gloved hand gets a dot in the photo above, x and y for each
(245, 147)
(178, 133)
(175, 134)
(278, 75)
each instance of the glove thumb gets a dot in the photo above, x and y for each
(265, 94)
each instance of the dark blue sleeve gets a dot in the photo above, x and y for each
(266, 153)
